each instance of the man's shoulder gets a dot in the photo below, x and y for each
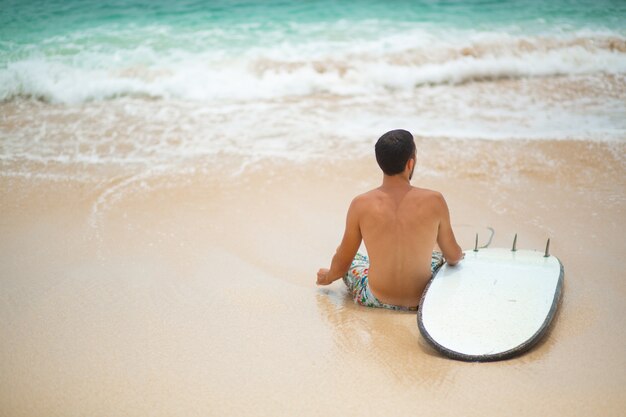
(368, 195)
(361, 199)
(364, 201)
(429, 198)
(426, 193)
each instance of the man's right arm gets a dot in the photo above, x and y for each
(451, 250)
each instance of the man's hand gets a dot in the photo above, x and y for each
(459, 261)
(322, 277)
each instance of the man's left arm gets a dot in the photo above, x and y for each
(347, 249)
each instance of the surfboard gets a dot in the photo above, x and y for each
(495, 304)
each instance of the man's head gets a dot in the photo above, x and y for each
(394, 149)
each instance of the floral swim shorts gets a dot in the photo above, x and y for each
(356, 281)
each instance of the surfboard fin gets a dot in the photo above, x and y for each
(476, 244)
(514, 248)
(547, 254)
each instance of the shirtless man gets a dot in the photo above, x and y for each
(400, 225)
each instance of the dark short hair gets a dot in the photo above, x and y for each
(393, 150)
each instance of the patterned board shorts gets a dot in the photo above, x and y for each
(356, 281)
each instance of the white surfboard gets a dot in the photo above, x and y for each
(495, 304)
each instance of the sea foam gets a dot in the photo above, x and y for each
(155, 99)
(80, 69)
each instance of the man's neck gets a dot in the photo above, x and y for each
(396, 181)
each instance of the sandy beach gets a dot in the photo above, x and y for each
(174, 174)
(194, 294)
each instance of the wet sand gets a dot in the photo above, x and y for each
(194, 294)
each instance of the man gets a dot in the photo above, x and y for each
(400, 225)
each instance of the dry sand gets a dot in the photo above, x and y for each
(194, 295)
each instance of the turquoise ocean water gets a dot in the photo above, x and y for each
(71, 51)
(242, 76)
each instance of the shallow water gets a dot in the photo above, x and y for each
(153, 87)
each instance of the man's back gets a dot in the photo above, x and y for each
(399, 225)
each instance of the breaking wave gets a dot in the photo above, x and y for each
(80, 69)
